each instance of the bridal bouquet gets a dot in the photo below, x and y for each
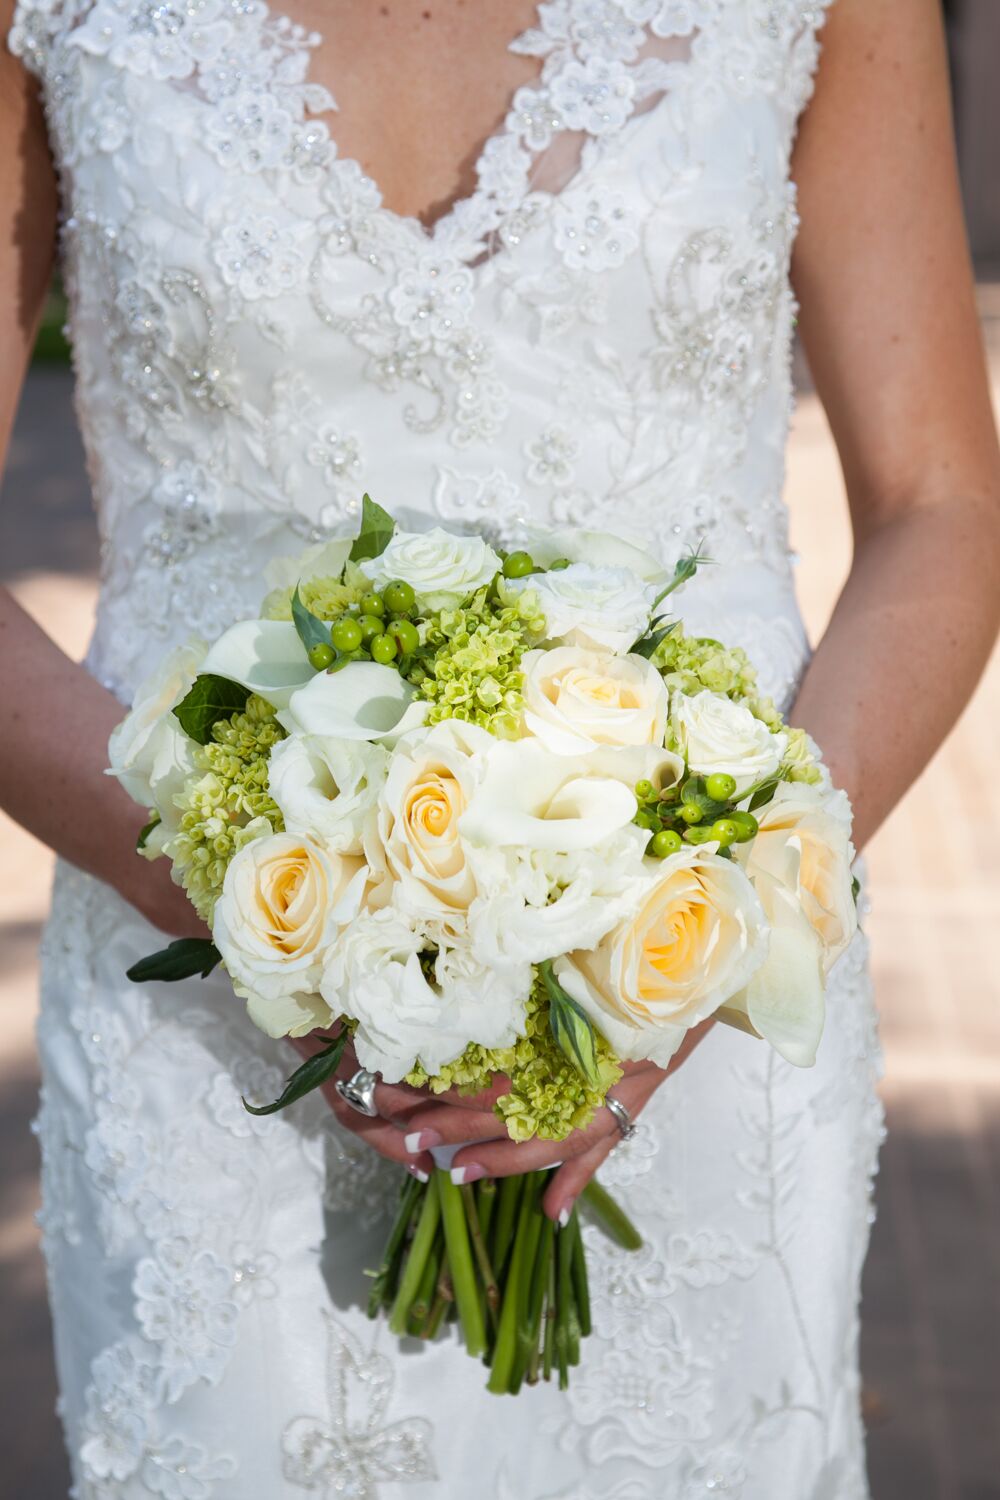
(488, 816)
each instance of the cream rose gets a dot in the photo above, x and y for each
(441, 567)
(694, 937)
(149, 752)
(576, 701)
(432, 776)
(600, 548)
(283, 904)
(800, 867)
(327, 787)
(714, 734)
(598, 608)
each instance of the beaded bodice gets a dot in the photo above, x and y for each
(598, 334)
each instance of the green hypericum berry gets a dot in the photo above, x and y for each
(725, 832)
(370, 626)
(664, 843)
(405, 636)
(720, 786)
(560, 564)
(645, 791)
(691, 812)
(518, 565)
(372, 604)
(346, 634)
(321, 655)
(383, 649)
(747, 825)
(399, 596)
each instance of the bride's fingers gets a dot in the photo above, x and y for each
(505, 1158)
(573, 1176)
(437, 1125)
(380, 1134)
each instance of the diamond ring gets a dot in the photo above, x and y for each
(359, 1092)
(622, 1118)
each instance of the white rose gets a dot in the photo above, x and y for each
(327, 788)
(575, 701)
(431, 778)
(800, 866)
(363, 701)
(714, 734)
(601, 548)
(440, 567)
(598, 608)
(149, 752)
(283, 903)
(375, 976)
(693, 938)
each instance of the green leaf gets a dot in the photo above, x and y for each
(144, 833)
(571, 1028)
(684, 569)
(311, 629)
(209, 699)
(313, 1072)
(647, 644)
(181, 960)
(763, 794)
(377, 527)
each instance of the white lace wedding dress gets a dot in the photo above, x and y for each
(598, 334)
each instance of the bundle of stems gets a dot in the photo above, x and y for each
(487, 1257)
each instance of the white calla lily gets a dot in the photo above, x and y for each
(363, 701)
(531, 797)
(265, 656)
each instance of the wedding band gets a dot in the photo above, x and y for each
(359, 1092)
(622, 1118)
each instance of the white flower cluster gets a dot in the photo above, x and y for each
(424, 870)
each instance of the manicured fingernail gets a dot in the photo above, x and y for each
(422, 1140)
(564, 1214)
(418, 1174)
(471, 1173)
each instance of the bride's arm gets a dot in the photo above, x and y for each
(56, 717)
(889, 323)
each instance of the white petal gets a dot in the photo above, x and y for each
(784, 1000)
(325, 560)
(364, 701)
(265, 656)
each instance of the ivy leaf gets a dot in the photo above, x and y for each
(377, 527)
(571, 1028)
(144, 832)
(181, 960)
(311, 629)
(209, 699)
(313, 1072)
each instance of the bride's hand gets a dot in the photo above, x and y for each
(411, 1122)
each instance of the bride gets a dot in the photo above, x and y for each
(533, 265)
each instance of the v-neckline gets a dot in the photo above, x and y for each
(464, 205)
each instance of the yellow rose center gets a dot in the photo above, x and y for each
(288, 900)
(431, 810)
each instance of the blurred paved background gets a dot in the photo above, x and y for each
(932, 1286)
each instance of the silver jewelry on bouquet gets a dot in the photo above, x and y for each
(359, 1092)
(622, 1118)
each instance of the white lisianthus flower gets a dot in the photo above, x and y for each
(535, 903)
(714, 734)
(149, 752)
(283, 903)
(363, 701)
(693, 938)
(327, 788)
(324, 560)
(576, 701)
(375, 976)
(441, 567)
(265, 656)
(601, 549)
(432, 775)
(800, 866)
(598, 608)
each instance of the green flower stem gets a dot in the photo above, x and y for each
(581, 1285)
(421, 1308)
(613, 1220)
(549, 1337)
(383, 1284)
(533, 1234)
(505, 1350)
(564, 1315)
(486, 1202)
(490, 1288)
(443, 1297)
(531, 1350)
(413, 1271)
(511, 1189)
(463, 1276)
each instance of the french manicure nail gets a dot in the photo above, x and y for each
(422, 1140)
(564, 1214)
(472, 1173)
(420, 1175)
